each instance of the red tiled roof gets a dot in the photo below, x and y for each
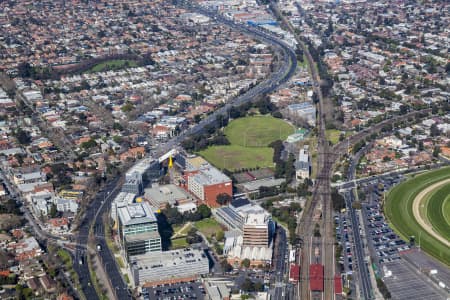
(316, 277)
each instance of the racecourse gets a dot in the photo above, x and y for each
(411, 211)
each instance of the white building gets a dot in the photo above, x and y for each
(168, 266)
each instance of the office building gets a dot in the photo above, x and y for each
(133, 183)
(138, 229)
(207, 182)
(256, 230)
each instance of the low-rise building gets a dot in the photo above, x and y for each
(168, 266)
(303, 164)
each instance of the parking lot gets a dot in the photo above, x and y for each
(406, 283)
(344, 236)
(384, 244)
(178, 291)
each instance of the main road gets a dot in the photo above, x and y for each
(102, 202)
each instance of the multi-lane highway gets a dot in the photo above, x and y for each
(102, 201)
(99, 206)
(362, 270)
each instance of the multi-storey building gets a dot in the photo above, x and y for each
(207, 183)
(256, 230)
(138, 229)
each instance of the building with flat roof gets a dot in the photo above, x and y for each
(133, 183)
(251, 232)
(161, 195)
(138, 229)
(216, 290)
(207, 183)
(305, 110)
(303, 164)
(168, 266)
(122, 199)
(256, 230)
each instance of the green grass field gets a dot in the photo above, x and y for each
(234, 157)
(446, 209)
(398, 210)
(257, 131)
(435, 211)
(179, 243)
(115, 64)
(249, 138)
(208, 227)
(332, 135)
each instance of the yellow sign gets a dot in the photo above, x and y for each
(170, 162)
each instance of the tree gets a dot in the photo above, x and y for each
(23, 137)
(434, 130)
(223, 198)
(117, 126)
(245, 263)
(248, 285)
(220, 235)
(226, 267)
(204, 210)
(173, 215)
(53, 212)
(436, 151)
(88, 144)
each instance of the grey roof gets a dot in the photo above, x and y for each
(136, 213)
(209, 175)
(150, 235)
(301, 165)
(166, 194)
(254, 185)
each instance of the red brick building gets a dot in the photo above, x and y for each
(207, 183)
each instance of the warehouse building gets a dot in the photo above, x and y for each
(305, 110)
(168, 267)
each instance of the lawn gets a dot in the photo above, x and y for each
(249, 138)
(398, 210)
(258, 131)
(332, 135)
(435, 211)
(111, 65)
(208, 227)
(179, 243)
(446, 209)
(234, 157)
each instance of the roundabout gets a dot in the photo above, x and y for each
(420, 208)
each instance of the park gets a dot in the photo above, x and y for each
(249, 139)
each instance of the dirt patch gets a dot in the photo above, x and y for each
(416, 211)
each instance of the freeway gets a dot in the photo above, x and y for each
(276, 79)
(99, 207)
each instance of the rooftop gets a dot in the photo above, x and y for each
(166, 259)
(136, 213)
(209, 175)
